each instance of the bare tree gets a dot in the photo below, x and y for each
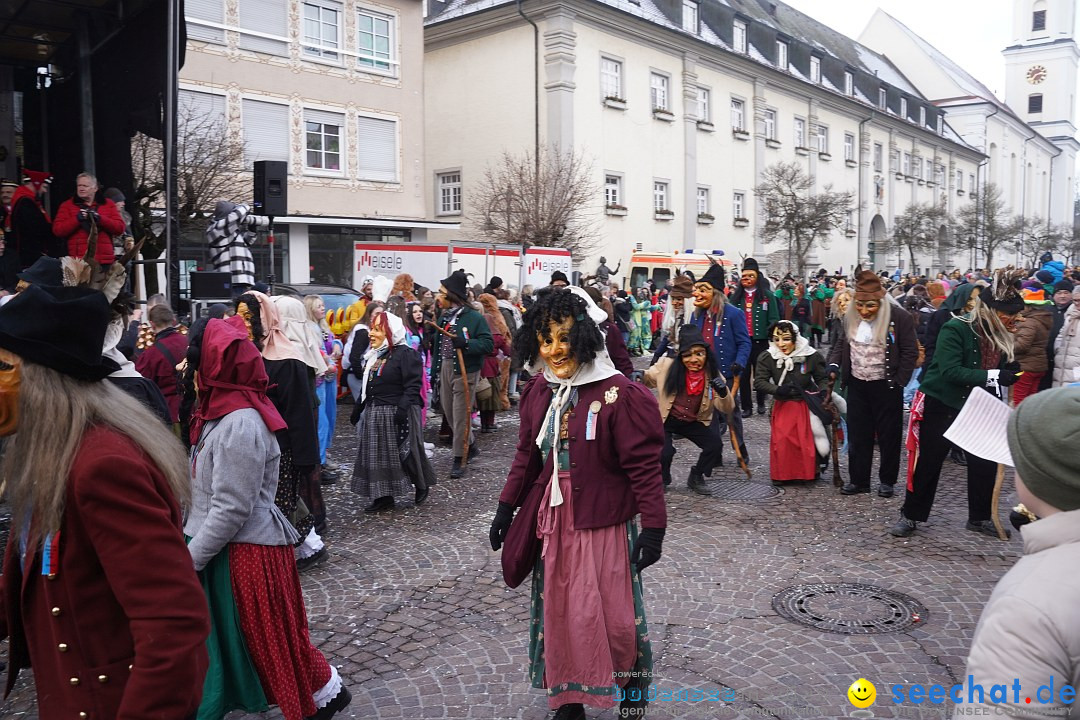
(916, 229)
(1038, 236)
(210, 166)
(797, 216)
(550, 201)
(984, 226)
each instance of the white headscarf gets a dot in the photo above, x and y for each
(397, 337)
(113, 333)
(300, 332)
(787, 362)
(600, 368)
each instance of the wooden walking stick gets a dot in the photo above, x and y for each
(996, 517)
(836, 479)
(465, 385)
(731, 433)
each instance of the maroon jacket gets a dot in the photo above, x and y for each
(614, 476)
(153, 365)
(119, 630)
(66, 226)
(616, 349)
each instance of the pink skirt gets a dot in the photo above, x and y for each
(590, 634)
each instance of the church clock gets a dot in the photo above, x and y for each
(1036, 74)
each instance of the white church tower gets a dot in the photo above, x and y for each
(1041, 87)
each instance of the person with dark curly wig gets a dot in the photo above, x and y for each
(587, 462)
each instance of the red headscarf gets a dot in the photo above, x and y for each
(232, 376)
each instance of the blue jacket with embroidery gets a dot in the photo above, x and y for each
(731, 341)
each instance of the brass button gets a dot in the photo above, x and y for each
(83, 715)
(51, 576)
(74, 681)
(62, 647)
(55, 611)
(103, 678)
(130, 666)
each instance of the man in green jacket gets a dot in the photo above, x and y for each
(754, 297)
(468, 332)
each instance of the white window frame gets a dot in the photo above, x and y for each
(613, 191)
(959, 179)
(703, 201)
(738, 114)
(704, 104)
(894, 161)
(782, 55)
(660, 91)
(770, 124)
(375, 63)
(690, 13)
(321, 48)
(821, 138)
(849, 146)
(905, 166)
(971, 182)
(205, 20)
(917, 167)
(251, 152)
(738, 205)
(939, 174)
(448, 192)
(903, 108)
(800, 133)
(388, 176)
(611, 78)
(882, 98)
(849, 83)
(879, 157)
(255, 32)
(815, 69)
(661, 195)
(320, 118)
(738, 36)
(922, 116)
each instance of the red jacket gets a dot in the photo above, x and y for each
(614, 476)
(119, 631)
(154, 366)
(66, 226)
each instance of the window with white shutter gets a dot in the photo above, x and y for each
(376, 149)
(268, 25)
(323, 140)
(205, 113)
(266, 131)
(208, 11)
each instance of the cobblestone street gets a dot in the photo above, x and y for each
(412, 609)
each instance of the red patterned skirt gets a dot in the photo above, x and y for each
(266, 587)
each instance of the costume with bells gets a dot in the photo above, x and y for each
(587, 461)
(800, 435)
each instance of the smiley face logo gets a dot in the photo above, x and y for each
(862, 693)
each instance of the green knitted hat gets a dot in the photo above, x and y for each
(1044, 434)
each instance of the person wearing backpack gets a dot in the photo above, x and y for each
(158, 362)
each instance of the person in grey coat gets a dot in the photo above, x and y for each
(241, 543)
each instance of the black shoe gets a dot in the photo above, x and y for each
(986, 527)
(329, 475)
(747, 414)
(696, 482)
(903, 528)
(421, 495)
(850, 489)
(457, 471)
(320, 525)
(760, 409)
(958, 456)
(570, 711)
(384, 503)
(309, 562)
(336, 705)
(474, 450)
(487, 429)
(885, 490)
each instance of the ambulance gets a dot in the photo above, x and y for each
(662, 267)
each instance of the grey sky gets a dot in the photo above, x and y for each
(971, 32)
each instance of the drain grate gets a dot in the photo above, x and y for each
(742, 491)
(849, 608)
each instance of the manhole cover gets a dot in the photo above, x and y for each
(849, 608)
(746, 491)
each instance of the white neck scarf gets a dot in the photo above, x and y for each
(787, 362)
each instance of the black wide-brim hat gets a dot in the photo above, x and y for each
(689, 336)
(457, 284)
(715, 276)
(45, 271)
(62, 328)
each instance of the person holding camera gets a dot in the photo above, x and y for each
(81, 213)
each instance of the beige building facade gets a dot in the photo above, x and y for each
(334, 88)
(680, 107)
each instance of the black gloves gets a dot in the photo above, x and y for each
(1010, 373)
(647, 549)
(787, 390)
(500, 525)
(459, 342)
(401, 415)
(833, 371)
(736, 369)
(719, 386)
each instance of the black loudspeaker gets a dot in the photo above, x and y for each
(210, 285)
(271, 188)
